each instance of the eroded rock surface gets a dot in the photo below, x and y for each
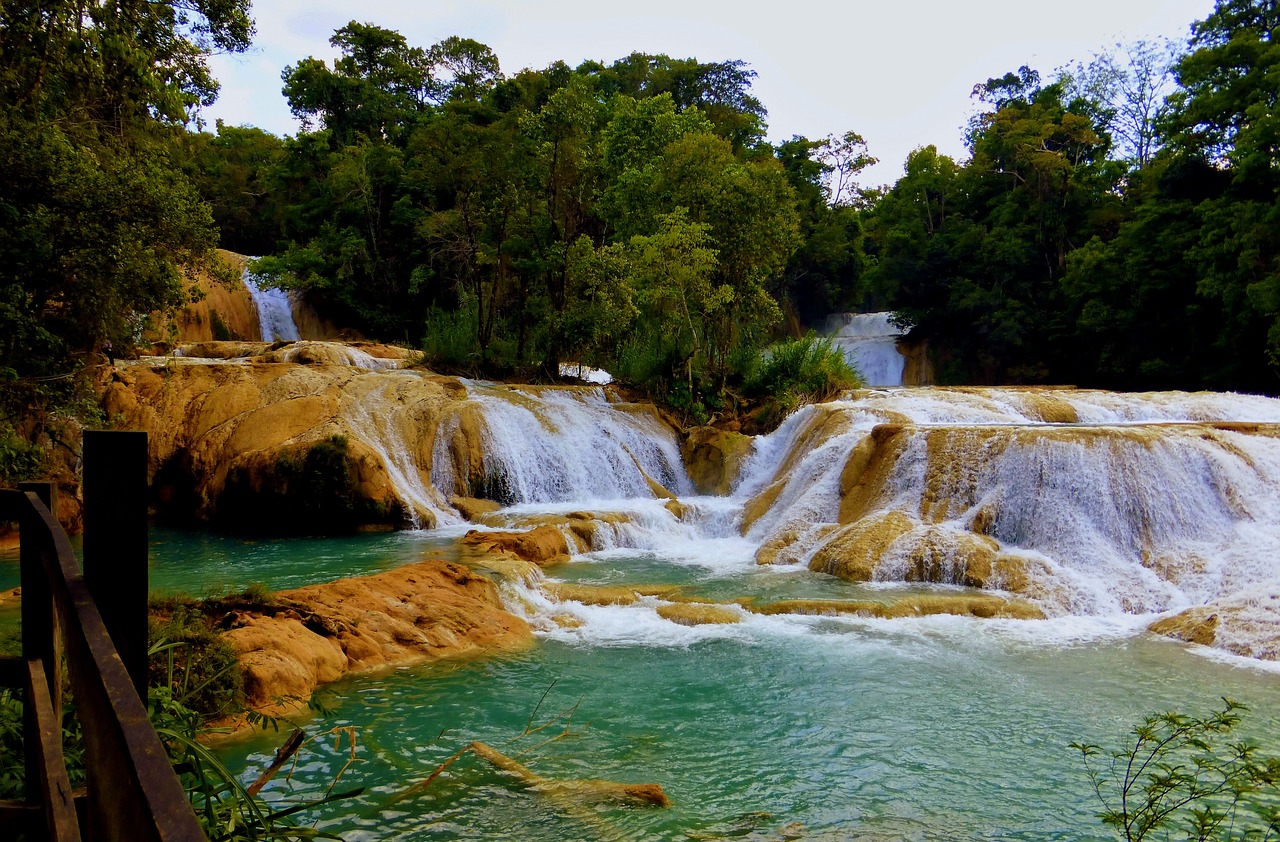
(316, 634)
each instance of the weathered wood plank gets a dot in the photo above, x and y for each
(43, 740)
(115, 540)
(134, 793)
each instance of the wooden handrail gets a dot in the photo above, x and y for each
(133, 792)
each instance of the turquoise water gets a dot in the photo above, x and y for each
(779, 727)
(776, 728)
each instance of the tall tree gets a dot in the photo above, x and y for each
(96, 218)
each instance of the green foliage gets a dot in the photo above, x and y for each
(801, 370)
(448, 342)
(12, 768)
(19, 459)
(1187, 777)
(96, 220)
(188, 657)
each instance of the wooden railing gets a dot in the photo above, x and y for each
(96, 619)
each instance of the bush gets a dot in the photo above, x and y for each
(1185, 775)
(449, 340)
(801, 369)
(192, 661)
(19, 459)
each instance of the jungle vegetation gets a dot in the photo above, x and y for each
(1115, 224)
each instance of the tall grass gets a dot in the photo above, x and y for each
(807, 369)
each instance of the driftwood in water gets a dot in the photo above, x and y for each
(576, 791)
(642, 795)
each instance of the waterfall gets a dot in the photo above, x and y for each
(870, 344)
(275, 315)
(1089, 503)
(554, 445)
(381, 410)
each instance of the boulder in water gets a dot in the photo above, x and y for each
(713, 458)
(544, 545)
(312, 635)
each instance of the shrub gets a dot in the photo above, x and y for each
(1185, 775)
(449, 340)
(801, 369)
(192, 661)
(19, 459)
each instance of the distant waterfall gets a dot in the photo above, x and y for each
(870, 344)
(275, 315)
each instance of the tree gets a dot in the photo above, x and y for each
(1228, 115)
(1184, 773)
(1127, 89)
(373, 88)
(98, 221)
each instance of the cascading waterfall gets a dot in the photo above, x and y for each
(381, 417)
(1085, 503)
(275, 315)
(556, 445)
(1092, 503)
(870, 344)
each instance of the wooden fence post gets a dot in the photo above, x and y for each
(115, 541)
(40, 635)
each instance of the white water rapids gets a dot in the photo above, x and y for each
(1140, 506)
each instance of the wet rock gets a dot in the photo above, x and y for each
(429, 610)
(713, 458)
(698, 614)
(544, 545)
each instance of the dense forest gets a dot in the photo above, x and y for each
(1116, 223)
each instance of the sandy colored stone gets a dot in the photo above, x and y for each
(207, 420)
(698, 614)
(473, 508)
(917, 368)
(608, 594)
(854, 551)
(316, 634)
(543, 546)
(867, 468)
(1245, 623)
(1195, 625)
(759, 505)
(974, 605)
(713, 458)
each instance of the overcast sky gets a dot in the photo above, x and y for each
(898, 72)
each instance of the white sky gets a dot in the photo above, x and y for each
(899, 73)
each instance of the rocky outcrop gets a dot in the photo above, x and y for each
(713, 458)
(224, 309)
(917, 368)
(543, 546)
(238, 424)
(310, 636)
(986, 606)
(1245, 623)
